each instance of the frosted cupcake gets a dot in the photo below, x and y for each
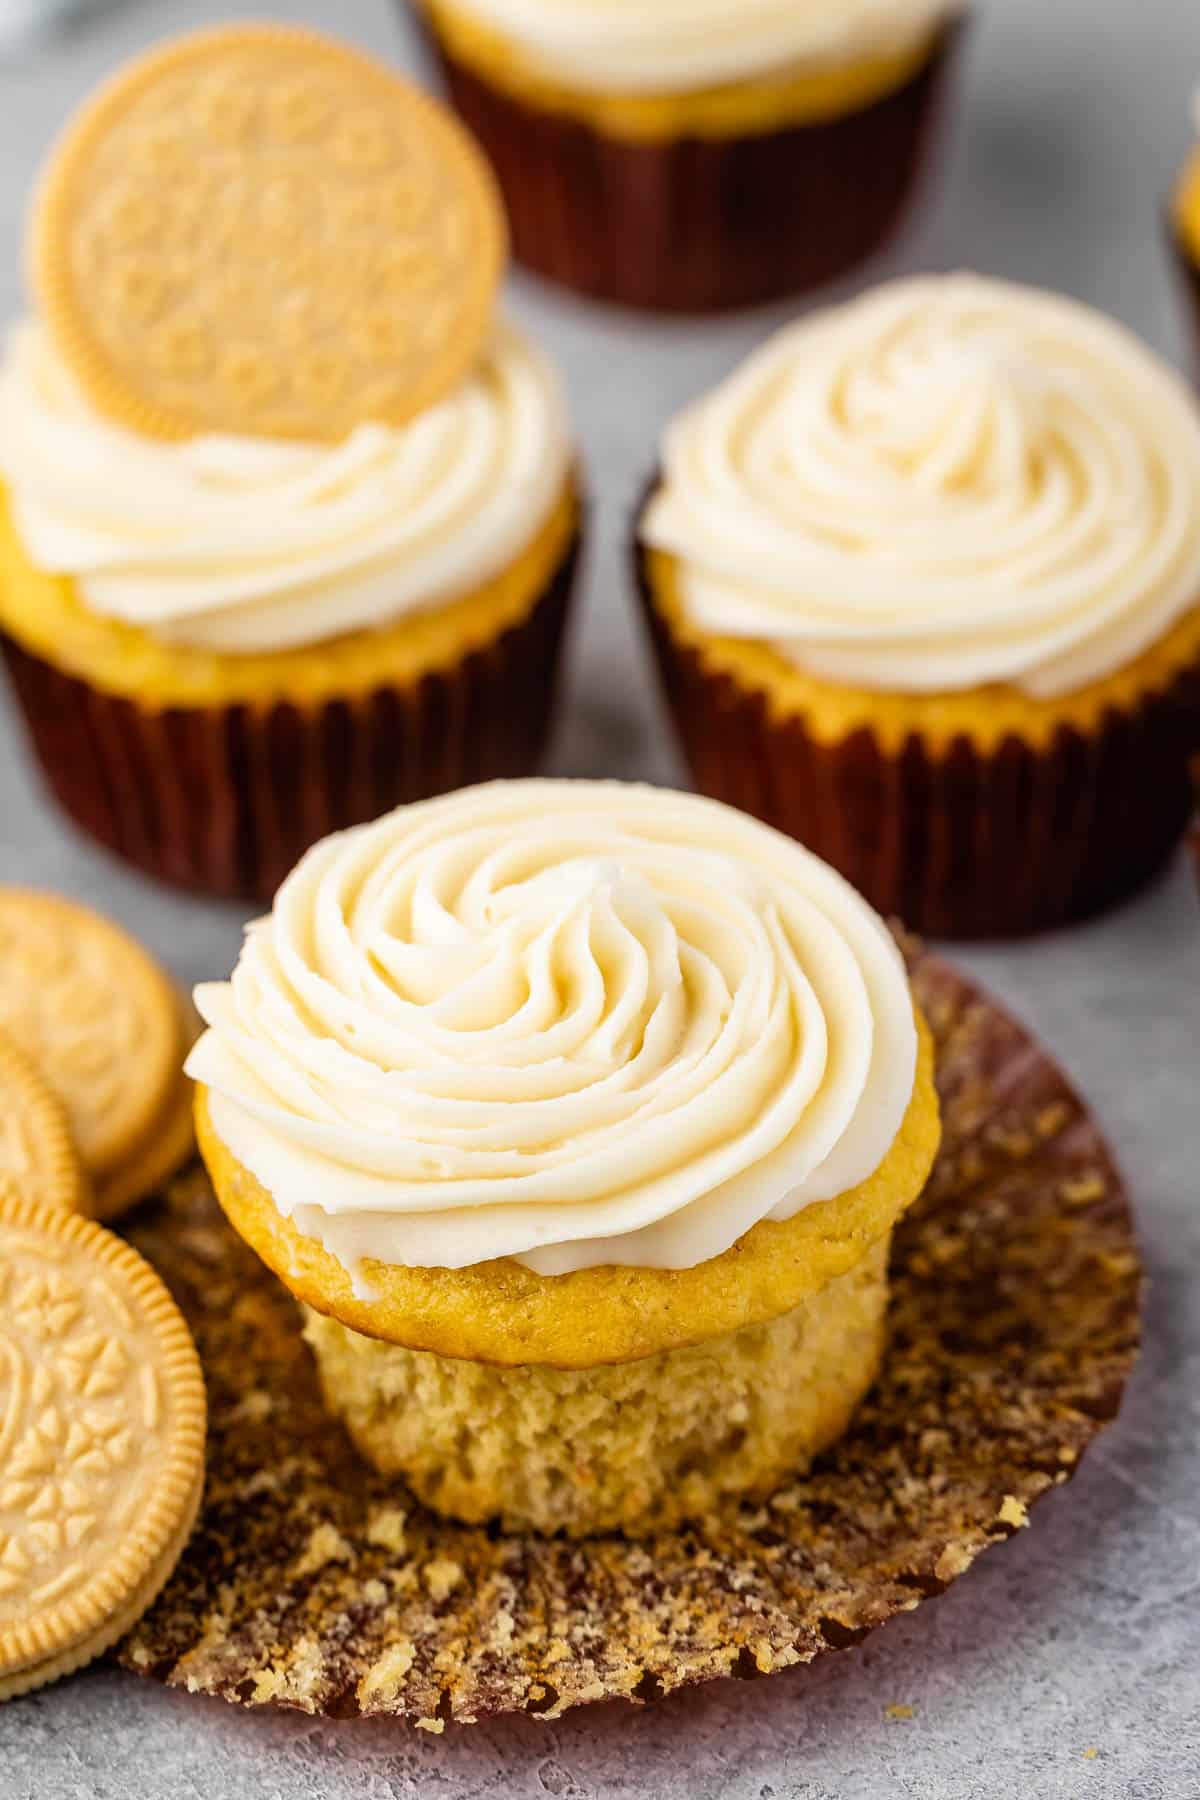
(579, 1117)
(1185, 223)
(288, 514)
(691, 155)
(924, 582)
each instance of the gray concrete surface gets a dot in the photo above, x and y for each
(1068, 1662)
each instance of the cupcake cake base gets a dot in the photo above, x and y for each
(224, 800)
(314, 1583)
(700, 224)
(636, 1446)
(958, 840)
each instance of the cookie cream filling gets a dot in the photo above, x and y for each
(243, 545)
(629, 46)
(573, 1023)
(948, 483)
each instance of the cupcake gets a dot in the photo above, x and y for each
(691, 155)
(289, 515)
(578, 1117)
(1185, 223)
(923, 578)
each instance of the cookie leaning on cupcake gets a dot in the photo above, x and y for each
(924, 582)
(290, 515)
(579, 1115)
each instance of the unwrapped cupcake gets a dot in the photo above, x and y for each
(924, 582)
(288, 515)
(690, 155)
(578, 1116)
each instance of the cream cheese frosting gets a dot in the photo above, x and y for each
(649, 46)
(947, 483)
(572, 1023)
(238, 545)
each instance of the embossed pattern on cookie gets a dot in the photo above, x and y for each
(102, 1422)
(258, 230)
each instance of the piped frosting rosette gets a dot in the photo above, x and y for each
(570, 1023)
(242, 545)
(949, 483)
(631, 47)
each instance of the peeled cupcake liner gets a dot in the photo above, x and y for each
(700, 224)
(224, 800)
(955, 840)
(1013, 1328)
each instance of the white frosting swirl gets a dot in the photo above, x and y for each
(242, 545)
(574, 1023)
(947, 483)
(670, 46)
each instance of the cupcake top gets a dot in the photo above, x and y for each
(245, 544)
(572, 1023)
(630, 46)
(947, 483)
(265, 399)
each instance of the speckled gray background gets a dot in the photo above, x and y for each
(1083, 1634)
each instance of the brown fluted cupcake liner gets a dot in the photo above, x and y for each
(225, 800)
(315, 1583)
(957, 841)
(700, 224)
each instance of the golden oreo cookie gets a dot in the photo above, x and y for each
(37, 1158)
(107, 1032)
(102, 1423)
(261, 231)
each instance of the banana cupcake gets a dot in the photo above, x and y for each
(289, 515)
(578, 1116)
(691, 155)
(924, 582)
(1185, 223)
